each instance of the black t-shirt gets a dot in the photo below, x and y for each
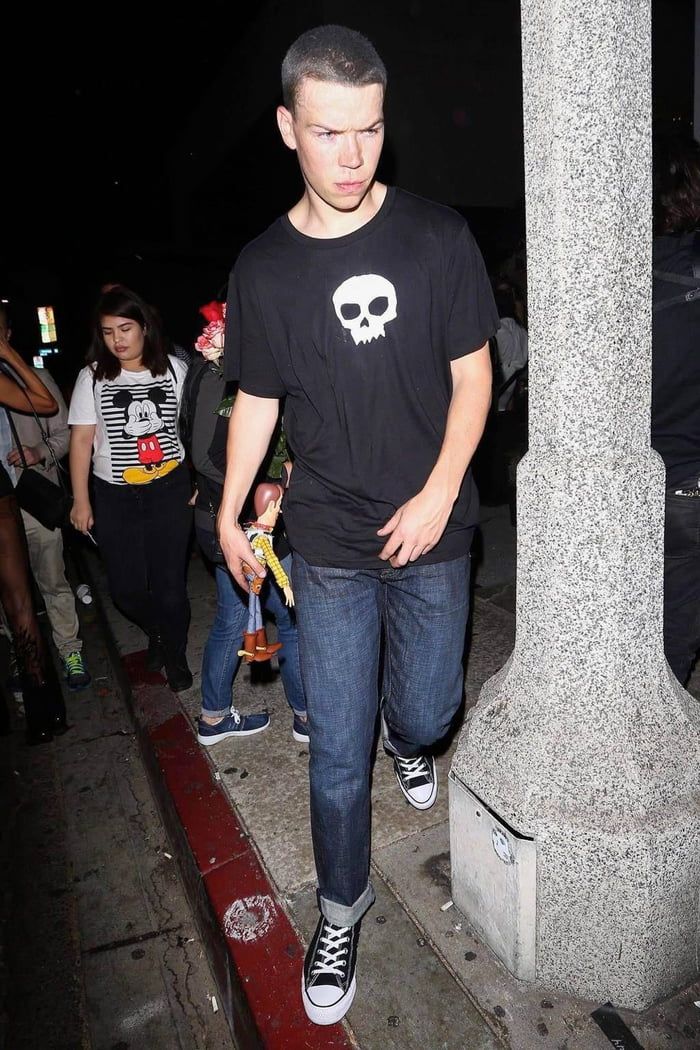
(357, 333)
(675, 405)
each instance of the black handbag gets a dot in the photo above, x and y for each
(48, 502)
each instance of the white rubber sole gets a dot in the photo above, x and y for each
(299, 738)
(207, 741)
(324, 1015)
(419, 805)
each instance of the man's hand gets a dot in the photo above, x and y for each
(416, 527)
(81, 517)
(237, 551)
(32, 454)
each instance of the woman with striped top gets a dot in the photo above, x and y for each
(124, 421)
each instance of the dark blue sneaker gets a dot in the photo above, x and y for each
(300, 729)
(232, 725)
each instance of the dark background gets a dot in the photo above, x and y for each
(140, 143)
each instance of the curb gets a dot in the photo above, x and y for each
(254, 951)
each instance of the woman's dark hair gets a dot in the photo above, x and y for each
(122, 302)
(676, 184)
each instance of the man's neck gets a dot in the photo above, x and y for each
(313, 217)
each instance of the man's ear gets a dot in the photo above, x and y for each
(285, 122)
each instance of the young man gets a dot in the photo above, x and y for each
(370, 311)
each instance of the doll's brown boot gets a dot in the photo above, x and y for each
(248, 650)
(264, 649)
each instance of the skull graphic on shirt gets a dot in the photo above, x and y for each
(364, 305)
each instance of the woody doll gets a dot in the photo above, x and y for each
(267, 501)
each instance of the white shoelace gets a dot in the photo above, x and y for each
(235, 716)
(330, 959)
(412, 768)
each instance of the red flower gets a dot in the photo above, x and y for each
(213, 311)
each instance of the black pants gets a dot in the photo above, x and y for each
(682, 580)
(143, 533)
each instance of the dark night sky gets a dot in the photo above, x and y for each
(94, 109)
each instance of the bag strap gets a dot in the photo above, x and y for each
(44, 438)
(15, 437)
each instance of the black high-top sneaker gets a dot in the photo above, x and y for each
(328, 980)
(417, 779)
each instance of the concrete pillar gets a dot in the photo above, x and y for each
(582, 757)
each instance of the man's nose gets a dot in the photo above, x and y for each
(351, 152)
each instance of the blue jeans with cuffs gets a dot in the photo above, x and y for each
(422, 611)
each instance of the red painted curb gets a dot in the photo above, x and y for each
(254, 951)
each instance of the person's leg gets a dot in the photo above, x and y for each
(682, 582)
(48, 567)
(220, 662)
(425, 618)
(288, 657)
(339, 624)
(339, 628)
(220, 659)
(167, 532)
(120, 535)
(43, 701)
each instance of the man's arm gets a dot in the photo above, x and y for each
(251, 427)
(417, 526)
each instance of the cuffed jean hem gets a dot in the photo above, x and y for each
(409, 750)
(341, 914)
(215, 714)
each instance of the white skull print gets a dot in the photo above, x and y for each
(364, 305)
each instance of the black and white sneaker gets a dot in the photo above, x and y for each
(417, 779)
(328, 980)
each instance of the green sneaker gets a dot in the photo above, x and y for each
(76, 675)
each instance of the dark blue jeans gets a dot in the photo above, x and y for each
(221, 660)
(341, 612)
(682, 580)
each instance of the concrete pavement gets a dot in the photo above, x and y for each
(238, 813)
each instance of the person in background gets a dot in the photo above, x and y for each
(205, 416)
(675, 402)
(510, 345)
(369, 310)
(44, 444)
(124, 422)
(179, 351)
(44, 708)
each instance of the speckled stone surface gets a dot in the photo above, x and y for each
(585, 740)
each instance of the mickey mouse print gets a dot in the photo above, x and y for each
(141, 426)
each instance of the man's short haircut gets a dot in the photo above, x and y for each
(333, 54)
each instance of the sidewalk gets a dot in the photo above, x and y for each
(239, 815)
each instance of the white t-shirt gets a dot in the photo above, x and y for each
(135, 418)
(511, 340)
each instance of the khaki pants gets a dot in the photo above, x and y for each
(49, 571)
